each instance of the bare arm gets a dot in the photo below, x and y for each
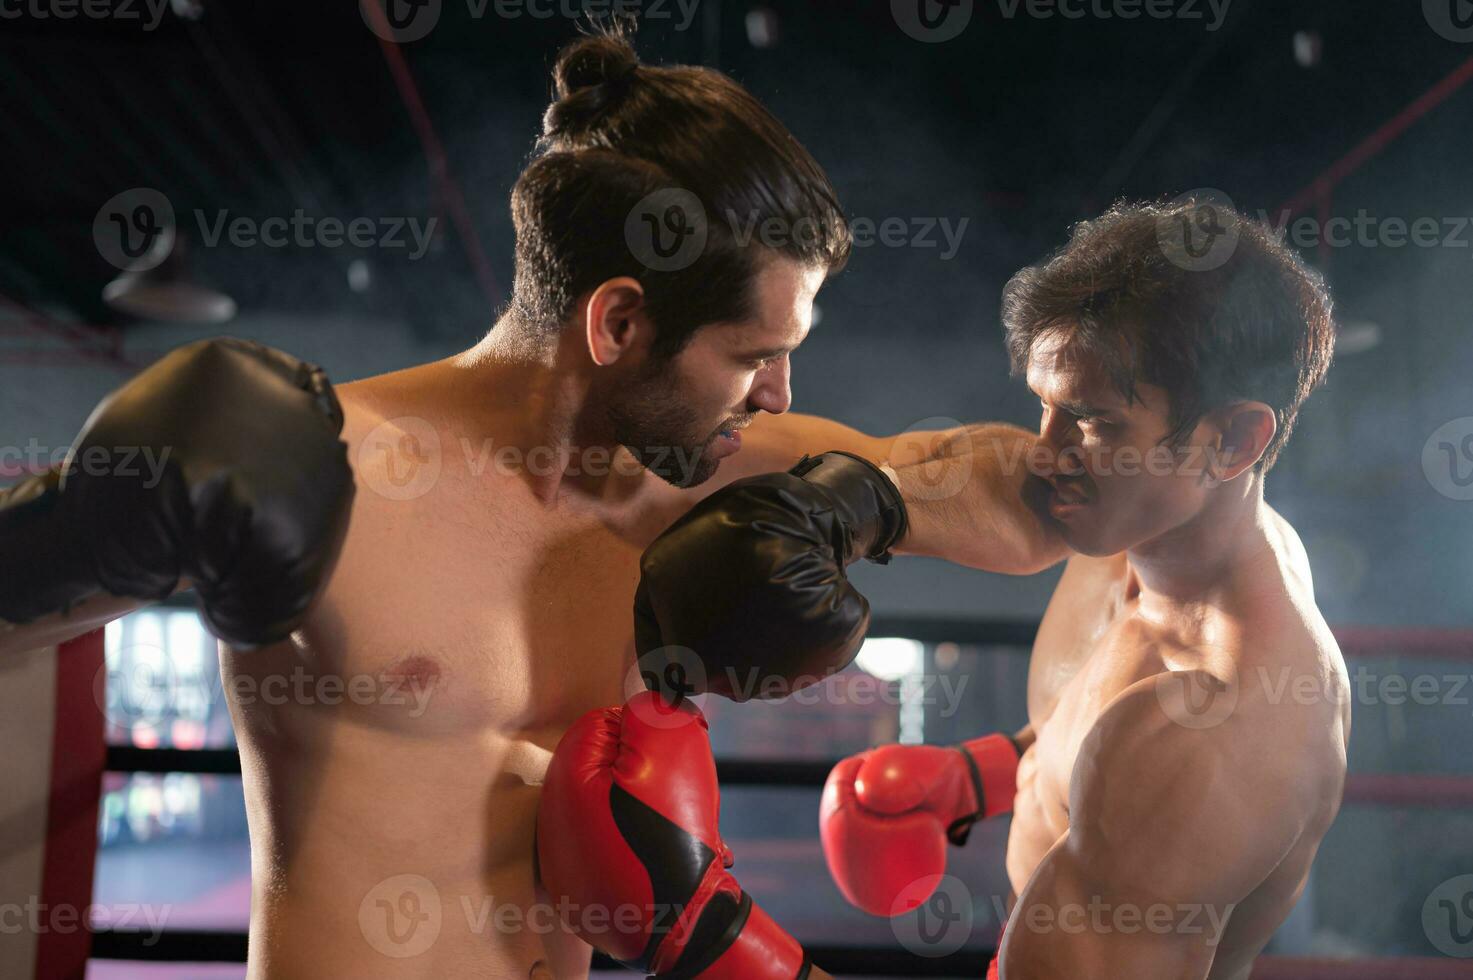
(972, 500)
(1170, 828)
(967, 490)
(55, 628)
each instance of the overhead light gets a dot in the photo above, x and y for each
(1357, 337)
(890, 658)
(165, 291)
(762, 27)
(1308, 48)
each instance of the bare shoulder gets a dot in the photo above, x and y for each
(1189, 787)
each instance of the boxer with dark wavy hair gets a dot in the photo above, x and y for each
(1189, 709)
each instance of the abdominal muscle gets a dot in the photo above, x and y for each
(376, 858)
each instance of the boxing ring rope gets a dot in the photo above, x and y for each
(1399, 790)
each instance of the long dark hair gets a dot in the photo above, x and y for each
(619, 131)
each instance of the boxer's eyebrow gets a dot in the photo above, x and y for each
(1077, 408)
(766, 352)
(1082, 410)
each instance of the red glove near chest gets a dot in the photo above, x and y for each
(888, 814)
(628, 846)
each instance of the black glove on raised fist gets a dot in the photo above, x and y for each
(246, 492)
(746, 596)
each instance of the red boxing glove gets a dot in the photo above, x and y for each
(888, 813)
(628, 846)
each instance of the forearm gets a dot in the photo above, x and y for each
(87, 615)
(971, 499)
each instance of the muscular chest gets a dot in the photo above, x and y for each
(1119, 657)
(1091, 646)
(495, 616)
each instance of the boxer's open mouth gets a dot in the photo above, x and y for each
(1066, 498)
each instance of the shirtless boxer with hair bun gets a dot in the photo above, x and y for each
(502, 503)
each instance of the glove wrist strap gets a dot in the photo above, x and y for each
(753, 947)
(869, 502)
(992, 767)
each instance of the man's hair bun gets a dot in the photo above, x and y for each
(601, 59)
(592, 76)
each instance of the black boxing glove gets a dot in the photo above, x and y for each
(749, 585)
(245, 491)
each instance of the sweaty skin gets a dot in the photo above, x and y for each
(470, 625)
(1188, 707)
(1125, 811)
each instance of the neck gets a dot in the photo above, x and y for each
(1190, 563)
(531, 395)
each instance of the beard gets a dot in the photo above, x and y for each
(654, 422)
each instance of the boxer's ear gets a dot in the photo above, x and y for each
(1245, 430)
(615, 319)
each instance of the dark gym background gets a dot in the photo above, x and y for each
(1026, 121)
